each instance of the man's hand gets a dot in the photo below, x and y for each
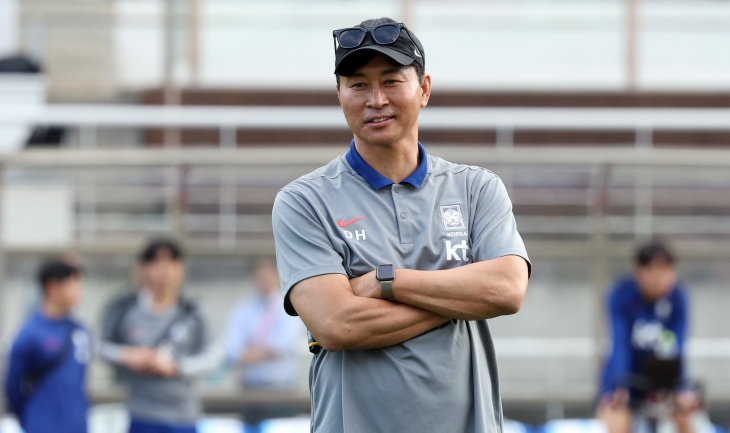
(138, 359)
(149, 361)
(686, 401)
(618, 398)
(164, 365)
(366, 286)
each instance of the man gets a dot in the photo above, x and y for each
(262, 338)
(648, 319)
(160, 340)
(45, 382)
(394, 259)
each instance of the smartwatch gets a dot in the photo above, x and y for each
(386, 274)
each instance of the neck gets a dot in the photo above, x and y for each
(163, 299)
(395, 161)
(52, 309)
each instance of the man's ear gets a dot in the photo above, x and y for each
(425, 90)
(337, 89)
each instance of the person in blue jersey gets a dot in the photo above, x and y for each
(648, 322)
(44, 386)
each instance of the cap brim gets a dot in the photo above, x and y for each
(399, 57)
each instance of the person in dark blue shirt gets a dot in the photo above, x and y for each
(44, 386)
(648, 322)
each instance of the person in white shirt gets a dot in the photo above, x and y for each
(261, 338)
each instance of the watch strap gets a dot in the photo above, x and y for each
(386, 290)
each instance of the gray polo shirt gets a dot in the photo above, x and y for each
(345, 218)
(181, 332)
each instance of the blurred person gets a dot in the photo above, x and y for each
(160, 341)
(394, 259)
(45, 384)
(648, 320)
(261, 338)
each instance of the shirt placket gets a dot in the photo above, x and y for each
(405, 219)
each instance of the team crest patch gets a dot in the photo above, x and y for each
(451, 216)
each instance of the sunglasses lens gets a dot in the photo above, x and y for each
(386, 34)
(351, 38)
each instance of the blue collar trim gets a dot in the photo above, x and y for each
(377, 180)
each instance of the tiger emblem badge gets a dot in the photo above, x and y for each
(451, 216)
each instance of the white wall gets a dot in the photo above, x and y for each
(499, 44)
(8, 27)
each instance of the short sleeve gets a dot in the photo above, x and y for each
(494, 230)
(303, 248)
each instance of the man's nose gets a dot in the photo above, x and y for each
(377, 97)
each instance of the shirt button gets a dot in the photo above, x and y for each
(403, 215)
(396, 189)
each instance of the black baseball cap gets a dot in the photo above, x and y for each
(405, 50)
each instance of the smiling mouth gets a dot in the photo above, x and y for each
(380, 119)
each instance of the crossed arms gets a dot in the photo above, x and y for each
(344, 314)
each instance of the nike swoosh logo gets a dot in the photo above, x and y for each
(347, 223)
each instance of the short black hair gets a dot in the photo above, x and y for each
(56, 270)
(357, 60)
(652, 251)
(150, 251)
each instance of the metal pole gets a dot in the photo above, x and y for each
(88, 136)
(228, 194)
(632, 7)
(643, 201)
(407, 13)
(194, 40)
(171, 94)
(644, 137)
(599, 195)
(179, 201)
(643, 204)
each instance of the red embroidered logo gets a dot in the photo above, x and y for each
(347, 223)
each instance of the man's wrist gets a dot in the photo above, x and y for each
(386, 290)
(385, 274)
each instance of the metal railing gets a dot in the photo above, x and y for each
(643, 121)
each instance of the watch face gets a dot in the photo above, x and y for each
(385, 272)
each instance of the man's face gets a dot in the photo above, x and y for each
(163, 274)
(67, 292)
(267, 278)
(656, 280)
(381, 101)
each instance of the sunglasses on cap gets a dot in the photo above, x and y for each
(384, 34)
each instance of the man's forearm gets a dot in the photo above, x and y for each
(110, 352)
(340, 320)
(204, 362)
(472, 292)
(378, 323)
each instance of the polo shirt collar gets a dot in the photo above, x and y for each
(377, 180)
